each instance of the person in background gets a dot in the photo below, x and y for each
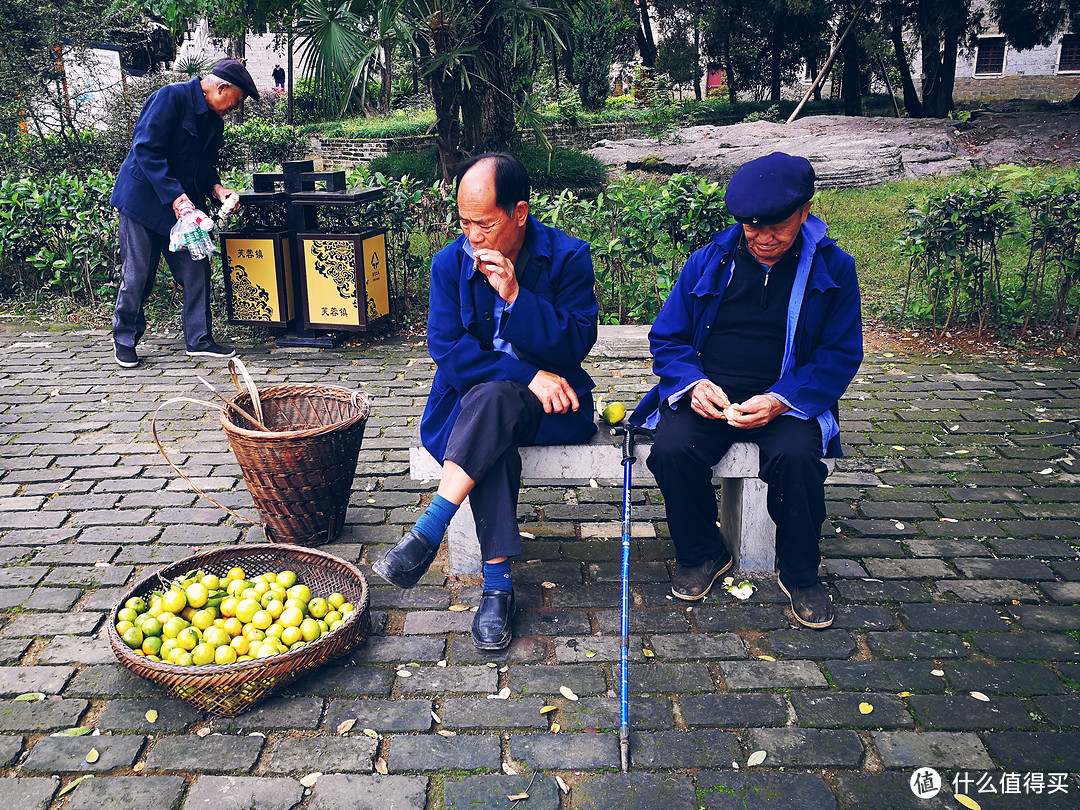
(757, 342)
(279, 77)
(512, 316)
(169, 171)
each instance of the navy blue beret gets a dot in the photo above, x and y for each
(237, 75)
(769, 189)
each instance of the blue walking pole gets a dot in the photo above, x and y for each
(628, 433)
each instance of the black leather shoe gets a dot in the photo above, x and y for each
(405, 563)
(692, 583)
(491, 626)
(811, 605)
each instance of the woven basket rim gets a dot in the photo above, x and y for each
(129, 659)
(287, 389)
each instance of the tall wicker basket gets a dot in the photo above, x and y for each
(300, 471)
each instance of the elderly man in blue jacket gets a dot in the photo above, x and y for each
(757, 342)
(512, 316)
(170, 170)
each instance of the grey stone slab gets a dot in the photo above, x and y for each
(698, 646)
(570, 751)
(734, 710)
(957, 617)
(111, 680)
(843, 710)
(129, 792)
(589, 714)
(554, 623)
(680, 676)
(799, 644)
(937, 749)
(12, 649)
(1003, 677)
(522, 650)
(894, 590)
(966, 713)
(359, 792)
(515, 713)
(380, 715)
(471, 792)
(216, 753)
(338, 682)
(276, 713)
(130, 715)
(449, 680)
(765, 790)
(594, 649)
(808, 747)
(755, 675)
(28, 575)
(918, 568)
(546, 680)
(917, 644)
(1047, 617)
(887, 789)
(68, 754)
(243, 793)
(28, 793)
(643, 791)
(40, 715)
(77, 650)
(60, 599)
(10, 749)
(429, 752)
(701, 748)
(986, 568)
(1028, 646)
(301, 755)
(15, 681)
(1062, 711)
(1044, 751)
(434, 622)
(398, 650)
(1066, 592)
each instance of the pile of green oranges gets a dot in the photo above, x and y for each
(202, 619)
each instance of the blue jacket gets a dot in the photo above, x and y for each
(175, 148)
(551, 326)
(823, 348)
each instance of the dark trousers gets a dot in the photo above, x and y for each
(496, 418)
(685, 449)
(140, 252)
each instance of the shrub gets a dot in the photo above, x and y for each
(253, 143)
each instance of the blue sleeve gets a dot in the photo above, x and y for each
(560, 332)
(671, 339)
(162, 114)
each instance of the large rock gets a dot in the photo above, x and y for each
(846, 152)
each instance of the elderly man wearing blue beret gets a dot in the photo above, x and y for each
(757, 342)
(170, 170)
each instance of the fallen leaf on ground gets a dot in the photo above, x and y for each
(567, 693)
(865, 708)
(404, 673)
(139, 767)
(310, 779)
(980, 696)
(74, 783)
(380, 766)
(938, 672)
(589, 654)
(903, 694)
(370, 732)
(203, 732)
(445, 732)
(518, 797)
(766, 658)
(92, 756)
(565, 788)
(31, 696)
(79, 731)
(346, 725)
(441, 663)
(648, 653)
(458, 608)
(509, 769)
(436, 717)
(755, 758)
(151, 715)
(555, 728)
(547, 585)
(547, 709)
(967, 801)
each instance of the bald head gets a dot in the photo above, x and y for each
(505, 176)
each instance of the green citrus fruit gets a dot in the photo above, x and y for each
(614, 413)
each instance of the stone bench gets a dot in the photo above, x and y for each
(744, 519)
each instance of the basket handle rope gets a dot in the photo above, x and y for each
(177, 470)
(237, 365)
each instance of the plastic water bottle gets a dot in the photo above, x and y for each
(192, 232)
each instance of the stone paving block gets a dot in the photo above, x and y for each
(546, 680)
(77, 650)
(894, 590)
(398, 649)
(552, 623)
(957, 617)
(755, 675)
(449, 680)
(29, 575)
(14, 597)
(429, 752)
(302, 755)
(819, 645)
(1047, 617)
(88, 577)
(1028, 646)
(1041, 549)
(78, 554)
(10, 748)
(946, 547)
(702, 748)
(687, 646)
(594, 649)
(603, 713)
(244, 793)
(381, 715)
(349, 791)
(339, 681)
(59, 599)
(276, 713)
(682, 677)
(567, 751)
(432, 622)
(15, 681)
(938, 749)
(842, 710)
(40, 715)
(1065, 592)
(12, 649)
(466, 713)
(740, 617)
(807, 747)
(985, 568)
(645, 621)
(110, 680)
(1062, 711)
(917, 644)
(1045, 751)
(1004, 678)
(472, 792)
(888, 789)
(522, 650)
(28, 793)
(966, 713)
(68, 754)
(216, 753)
(129, 792)
(863, 617)
(642, 791)
(765, 790)
(734, 710)
(130, 715)
(918, 568)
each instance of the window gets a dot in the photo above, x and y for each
(990, 56)
(1070, 53)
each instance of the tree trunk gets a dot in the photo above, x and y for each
(555, 63)
(387, 80)
(644, 35)
(486, 107)
(912, 103)
(697, 62)
(852, 75)
(729, 68)
(931, 71)
(776, 45)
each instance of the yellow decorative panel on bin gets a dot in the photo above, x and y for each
(345, 280)
(258, 288)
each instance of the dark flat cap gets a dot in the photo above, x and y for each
(237, 75)
(769, 189)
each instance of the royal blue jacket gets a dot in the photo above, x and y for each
(174, 152)
(551, 326)
(823, 346)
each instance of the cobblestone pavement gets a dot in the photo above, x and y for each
(950, 550)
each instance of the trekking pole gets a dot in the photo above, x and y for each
(628, 433)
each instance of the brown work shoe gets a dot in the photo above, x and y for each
(811, 605)
(692, 583)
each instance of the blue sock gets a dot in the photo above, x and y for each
(432, 524)
(497, 576)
